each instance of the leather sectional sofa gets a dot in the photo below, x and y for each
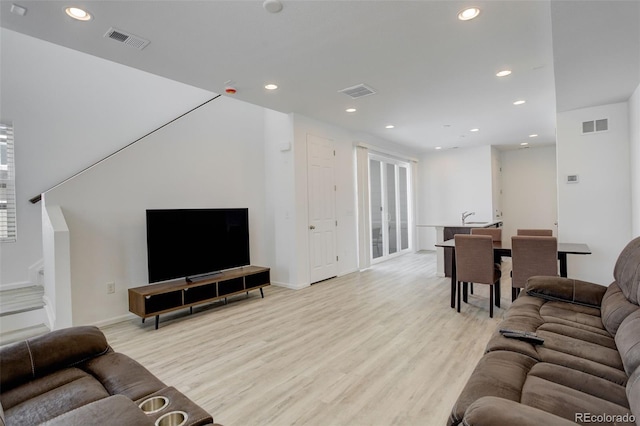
(586, 370)
(73, 377)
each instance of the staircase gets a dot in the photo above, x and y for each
(22, 314)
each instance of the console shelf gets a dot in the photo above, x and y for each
(155, 299)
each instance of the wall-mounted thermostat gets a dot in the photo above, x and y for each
(572, 178)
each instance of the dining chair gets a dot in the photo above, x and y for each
(532, 255)
(474, 264)
(536, 232)
(496, 235)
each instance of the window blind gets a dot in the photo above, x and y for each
(7, 185)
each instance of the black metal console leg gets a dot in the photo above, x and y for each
(143, 320)
(261, 293)
(157, 321)
(191, 310)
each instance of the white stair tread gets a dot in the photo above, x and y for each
(21, 299)
(23, 334)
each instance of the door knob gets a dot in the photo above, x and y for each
(312, 227)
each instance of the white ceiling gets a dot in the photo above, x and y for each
(434, 75)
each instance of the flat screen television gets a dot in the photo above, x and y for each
(186, 243)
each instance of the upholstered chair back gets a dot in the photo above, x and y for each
(474, 258)
(532, 255)
(536, 232)
(496, 233)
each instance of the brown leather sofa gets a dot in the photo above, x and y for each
(73, 377)
(586, 371)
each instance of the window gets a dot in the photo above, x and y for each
(7, 185)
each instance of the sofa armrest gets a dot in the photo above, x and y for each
(39, 356)
(120, 374)
(566, 290)
(491, 411)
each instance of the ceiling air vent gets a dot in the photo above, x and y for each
(595, 126)
(126, 38)
(358, 91)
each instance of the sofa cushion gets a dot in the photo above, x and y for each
(36, 357)
(114, 410)
(575, 315)
(564, 401)
(633, 392)
(492, 411)
(46, 401)
(499, 373)
(581, 382)
(40, 386)
(566, 290)
(627, 271)
(615, 308)
(628, 341)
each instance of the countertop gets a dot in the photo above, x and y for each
(469, 224)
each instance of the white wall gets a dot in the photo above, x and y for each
(279, 196)
(69, 110)
(451, 182)
(597, 210)
(634, 128)
(346, 210)
(529, 189)
(213, 157)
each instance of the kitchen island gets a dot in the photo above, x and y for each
(446, 232)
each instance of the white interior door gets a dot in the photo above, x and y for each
(322, 201)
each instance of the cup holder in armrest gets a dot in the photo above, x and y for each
(172, 418)
(154, 404)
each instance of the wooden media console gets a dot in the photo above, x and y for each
(155, 299)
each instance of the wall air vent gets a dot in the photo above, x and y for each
(595, 126)
(358, 91)
(126, 38)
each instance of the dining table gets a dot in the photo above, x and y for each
(503, 249)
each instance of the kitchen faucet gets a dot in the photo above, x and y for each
(465, 215)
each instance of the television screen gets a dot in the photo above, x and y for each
(188, 242)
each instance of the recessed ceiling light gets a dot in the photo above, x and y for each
(350, 110)
(438, 147)
(474, 130)
(271, 86)
(468, 13)
(524, 143)
(77, 13)
(389, 126)
(520, 102)
(503, 73)
(533, 136)
(272, 6)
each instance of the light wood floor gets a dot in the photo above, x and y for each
(379, 347)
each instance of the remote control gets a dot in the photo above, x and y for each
(527, 336)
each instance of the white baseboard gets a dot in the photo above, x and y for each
(290, 286)
(347, 272)
(115, 320)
